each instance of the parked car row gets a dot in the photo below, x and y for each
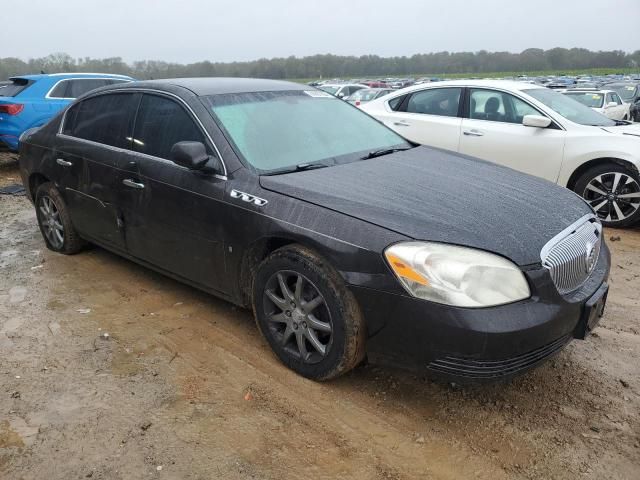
(346, 238)
(625, 87)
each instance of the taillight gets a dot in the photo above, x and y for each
(357, 103)
(12, 108)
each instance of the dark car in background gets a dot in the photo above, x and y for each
(345, 239)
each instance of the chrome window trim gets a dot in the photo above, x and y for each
(49, 97)
(160, 92)
(89, 73)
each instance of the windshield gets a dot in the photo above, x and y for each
(331, 90)
(589, 99)
(569, 108)
(627, 92)
(273, 131)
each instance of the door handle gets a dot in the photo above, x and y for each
(401, 124)
(473, 133)
(130, 183)
(63, 162)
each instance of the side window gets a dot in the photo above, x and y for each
(79, 87)
(616, 98)
(498, 107)
(435, 101)
(58, 90)
(394, 103)
(106, 119)
(486, 105)
(161, 123)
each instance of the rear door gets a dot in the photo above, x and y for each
(492, 130)
(173, 216)
(429, 117)
(95, 134)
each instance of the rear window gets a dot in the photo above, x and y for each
(14, 86)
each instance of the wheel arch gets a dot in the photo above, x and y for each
(262, 248)
(578, 172)
(35, 180)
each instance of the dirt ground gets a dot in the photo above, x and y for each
(110, 371)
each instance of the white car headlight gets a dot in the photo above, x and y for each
(459, 276)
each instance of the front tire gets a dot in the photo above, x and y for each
(613, 191)
(55, 222)
(304, 310)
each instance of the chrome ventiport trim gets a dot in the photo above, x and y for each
(246, 197)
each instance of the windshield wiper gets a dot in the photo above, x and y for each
(384, 151)
(298, 168)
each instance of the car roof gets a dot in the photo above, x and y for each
(346, 84)
(69, 75)
(589, 90)
(503, 84)
(204, 86)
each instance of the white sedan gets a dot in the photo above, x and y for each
(529, 128)
(606, 102)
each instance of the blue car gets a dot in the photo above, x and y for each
(31, 100)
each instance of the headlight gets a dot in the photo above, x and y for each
(460, 276)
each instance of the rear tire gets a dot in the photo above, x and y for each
(613, 191)
(304, 310)
(55, 222)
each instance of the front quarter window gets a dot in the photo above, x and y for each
(272, 131)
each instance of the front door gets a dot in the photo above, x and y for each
(493, 131)
(173, 216)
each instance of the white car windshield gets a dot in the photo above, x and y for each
(569, 108)
(589, 99)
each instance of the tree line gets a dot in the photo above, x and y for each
(328, 66)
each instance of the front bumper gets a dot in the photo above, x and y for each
(463, 344)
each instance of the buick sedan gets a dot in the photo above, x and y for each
(345, 239)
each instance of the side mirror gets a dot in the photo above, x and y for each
(537, 121)
(340, 95)
(612, 104)
(192, 155)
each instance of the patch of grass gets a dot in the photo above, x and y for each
(540, 73)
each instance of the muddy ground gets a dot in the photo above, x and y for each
(184, 387)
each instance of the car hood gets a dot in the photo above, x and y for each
(632, 129)
(431, 194)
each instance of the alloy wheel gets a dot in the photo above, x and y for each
(51, 222)
(298, 315)
(614, 196)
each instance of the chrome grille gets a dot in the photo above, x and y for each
(572, 255)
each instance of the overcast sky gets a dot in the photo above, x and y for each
(192, 30)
